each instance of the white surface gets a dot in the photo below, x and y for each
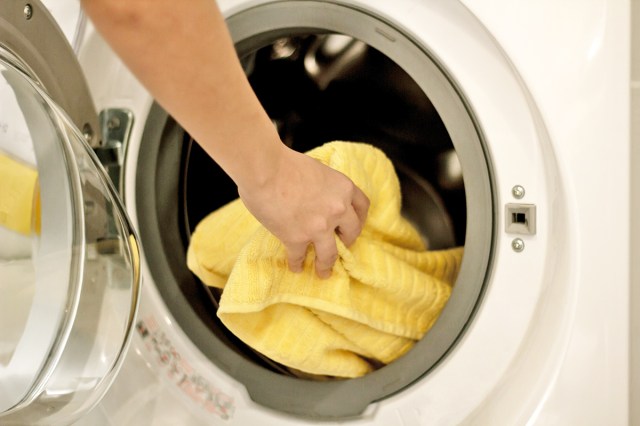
(635, 207)
(549, 344)
(67, 15)
(577, 71)
(15, 139)
(18, 279)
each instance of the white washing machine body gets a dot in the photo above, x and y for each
(546, 87)
(548, 84)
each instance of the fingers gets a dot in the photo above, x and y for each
(353, 220)
(296, 254)
(349, 228)
(326, 255)
(360, 203)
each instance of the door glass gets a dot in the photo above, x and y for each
(69, 264)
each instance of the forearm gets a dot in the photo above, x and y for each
(183, 54)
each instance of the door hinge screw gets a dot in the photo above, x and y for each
(27, 11)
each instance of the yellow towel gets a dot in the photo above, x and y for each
(19, 196)
(385, 293)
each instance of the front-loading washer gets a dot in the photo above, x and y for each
(509, 120)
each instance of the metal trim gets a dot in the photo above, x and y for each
(30, 33)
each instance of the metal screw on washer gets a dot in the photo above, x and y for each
(27, 11)
(87, 132)
(517, 192)
(517, 245)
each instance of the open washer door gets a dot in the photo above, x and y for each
(69, 260)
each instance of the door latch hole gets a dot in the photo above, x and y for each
(520, 219)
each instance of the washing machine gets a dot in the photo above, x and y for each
(508, 123)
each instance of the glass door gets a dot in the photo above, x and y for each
(69, 260)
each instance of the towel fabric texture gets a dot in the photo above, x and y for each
(385, 292)
(19, 196)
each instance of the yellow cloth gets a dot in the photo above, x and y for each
(19, 196)
(384, 294)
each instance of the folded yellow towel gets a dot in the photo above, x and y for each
(19, 196)
(385, 292)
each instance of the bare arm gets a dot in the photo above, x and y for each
(183, 53)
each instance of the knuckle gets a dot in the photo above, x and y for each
(320, 226)
(339, 208)
(297, 239)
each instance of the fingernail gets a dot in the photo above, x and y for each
(324, 274)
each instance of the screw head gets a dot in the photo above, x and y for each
(517, 245)
(113, 123)
(517, 192)
(27, 11)
(87, 132)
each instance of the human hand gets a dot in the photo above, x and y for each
(304, 202)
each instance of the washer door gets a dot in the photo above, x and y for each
(69, 260)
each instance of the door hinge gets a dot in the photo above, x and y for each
(116, 125)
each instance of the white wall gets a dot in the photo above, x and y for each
(635, 213)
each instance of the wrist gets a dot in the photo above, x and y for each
(260, 167)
